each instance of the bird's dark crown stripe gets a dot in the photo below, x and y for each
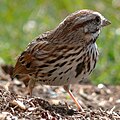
(82, 24)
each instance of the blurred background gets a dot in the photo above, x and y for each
(23, 20)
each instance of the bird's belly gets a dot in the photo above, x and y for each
(70, 70)
(65, 75)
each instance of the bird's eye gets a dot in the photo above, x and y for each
(97, 19)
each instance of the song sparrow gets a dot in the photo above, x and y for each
(64, 55)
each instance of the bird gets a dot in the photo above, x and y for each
(65, 55)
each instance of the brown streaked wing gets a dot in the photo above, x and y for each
(28, 60)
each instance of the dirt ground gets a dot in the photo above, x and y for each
(101, 102)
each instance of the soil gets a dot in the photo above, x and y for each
(101, 102)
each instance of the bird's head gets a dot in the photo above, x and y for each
(81, 23)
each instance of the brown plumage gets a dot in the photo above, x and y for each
(65, 55)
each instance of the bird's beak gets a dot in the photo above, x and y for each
(105, 22)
